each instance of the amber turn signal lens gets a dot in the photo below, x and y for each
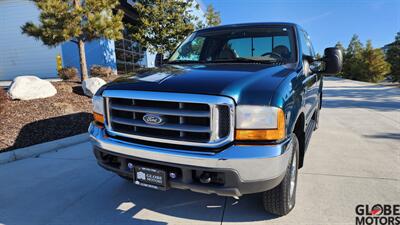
(258, 135)
(98, 118)
(263, 134)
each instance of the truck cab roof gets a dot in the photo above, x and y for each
(244, 25)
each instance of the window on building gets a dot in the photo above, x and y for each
(129, 54)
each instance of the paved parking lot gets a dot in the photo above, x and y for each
(353, 158)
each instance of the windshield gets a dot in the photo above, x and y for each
(238, 45)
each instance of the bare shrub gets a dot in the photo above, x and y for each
(100, 71)
(68, 73)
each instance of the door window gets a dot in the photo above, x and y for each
(306, 45)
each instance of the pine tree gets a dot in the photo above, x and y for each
(78, 21)
(393, 57)
(213, 18)
(352, 66)
(318, 56)
(374, 65)
(163, 24)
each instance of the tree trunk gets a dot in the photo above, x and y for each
(81, 46)
(82, 60)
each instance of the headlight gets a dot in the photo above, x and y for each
(98, 109)
(259, 123)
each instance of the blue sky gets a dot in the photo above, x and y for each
(326, 21)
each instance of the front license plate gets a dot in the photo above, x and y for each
(150, 177)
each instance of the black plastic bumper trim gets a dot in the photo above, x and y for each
(233, 185)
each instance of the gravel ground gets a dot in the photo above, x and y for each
(25, 123)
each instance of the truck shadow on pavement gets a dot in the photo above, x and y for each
(51, 129)
(136, 204)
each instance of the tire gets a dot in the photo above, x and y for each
(316, 118)
(316, 114)
(281, 200)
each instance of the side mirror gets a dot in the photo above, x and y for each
(333, 59)
(159, 59)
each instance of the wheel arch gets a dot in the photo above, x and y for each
(299, 131)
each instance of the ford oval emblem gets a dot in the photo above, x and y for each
(153, 119)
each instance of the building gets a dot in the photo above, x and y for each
(23, 55)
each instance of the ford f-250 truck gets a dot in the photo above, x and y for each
(231, 112)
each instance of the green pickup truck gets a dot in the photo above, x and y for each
(230, 112)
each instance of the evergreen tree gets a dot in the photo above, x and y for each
(163, 24)
(374, 66)
(352, 67)
(77, 21)
(393, 57)
(213, 18)
(318, 56)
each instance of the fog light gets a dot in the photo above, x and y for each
(130, 166)
(172, 175)
(205, 178)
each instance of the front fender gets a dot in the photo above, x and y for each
(289, 97)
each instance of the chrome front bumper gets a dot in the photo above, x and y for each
(251, 162)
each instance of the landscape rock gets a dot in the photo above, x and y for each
(30, 87)
(91, 85)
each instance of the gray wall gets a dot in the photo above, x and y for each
(20, 54)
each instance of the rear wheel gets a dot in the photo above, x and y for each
(281, 199)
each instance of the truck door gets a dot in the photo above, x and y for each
(310, 81)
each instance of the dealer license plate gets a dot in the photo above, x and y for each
(150, 177)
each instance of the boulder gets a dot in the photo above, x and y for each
(30, 87)
(91, 85)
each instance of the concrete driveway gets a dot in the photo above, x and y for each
(353, 158)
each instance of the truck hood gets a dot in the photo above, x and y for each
(245, 83)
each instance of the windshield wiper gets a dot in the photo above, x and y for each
(239, 60)
(246, 60)
(183, 62)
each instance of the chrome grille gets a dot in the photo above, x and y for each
(188, 119)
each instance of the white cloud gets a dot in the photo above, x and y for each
(314, 18)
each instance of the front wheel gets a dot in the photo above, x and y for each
(281, 199)
(317, 112)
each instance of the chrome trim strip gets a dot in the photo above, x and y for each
(214, 122)
(252, 163)
(211, 100)
(174, 127)
(171, 112)
(168, 96)
(107, 119)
